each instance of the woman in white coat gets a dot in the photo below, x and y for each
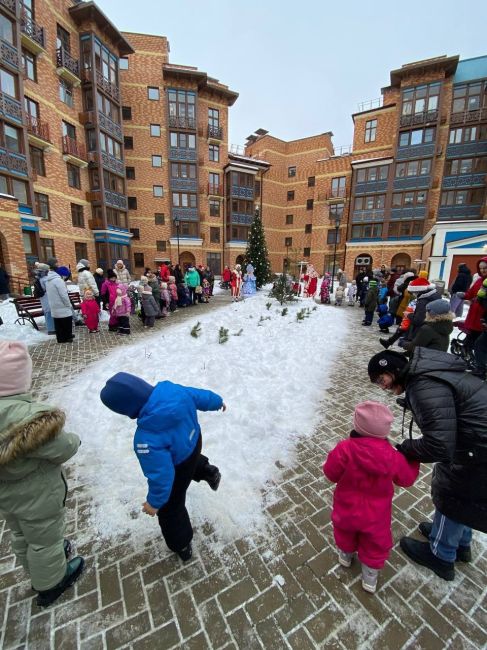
(86, 279)
(61, 308)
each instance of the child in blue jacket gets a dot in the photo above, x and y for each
(167, 443)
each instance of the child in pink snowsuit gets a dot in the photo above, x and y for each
(91, 311)
(121, 309)
(365, 468)
(108, 292)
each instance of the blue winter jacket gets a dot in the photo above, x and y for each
(167, 433)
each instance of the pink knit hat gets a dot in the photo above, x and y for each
(372, 419)
(16, 365)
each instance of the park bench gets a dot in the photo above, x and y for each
(29, 308)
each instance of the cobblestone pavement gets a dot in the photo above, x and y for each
(281, 588)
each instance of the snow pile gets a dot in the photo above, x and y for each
(271, 375)
(27, 333)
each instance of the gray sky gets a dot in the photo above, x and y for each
(301, 67)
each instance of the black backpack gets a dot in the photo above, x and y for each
(38, 290)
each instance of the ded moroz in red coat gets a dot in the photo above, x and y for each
(365, 470)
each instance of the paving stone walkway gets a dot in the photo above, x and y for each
(279, 588)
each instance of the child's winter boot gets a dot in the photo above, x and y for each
(369, 578)
(345, 559)
(186, 553)
(213, 476)
(73, 571)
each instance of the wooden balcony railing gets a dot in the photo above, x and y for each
(66, 61)
(215, 132)
(177, 122)
(31, 29)
(419, 118)
(11, 5)
(72, 147)
(96, 224)
(108, 87)
(465, 117)
(38, 128)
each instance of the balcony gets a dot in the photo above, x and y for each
(188, 123)
(456, 212)
(184, 184)
(371, 188)
(242, 192)
(112, 163)
(116, 200)
(74, 152)
(32, 35)
(111, 127)
(415, 151)
(9, 56)
(412, 182)
(67, 67)
(10, 108)
(180, 153)
(241, 218)
(215, 132)
(464, 180)
(336, 196)
(38, 132)
(466, 117)
(478, 148)
(419, 118)
(414, 212)
(96, 224)
(11, 5)
(360, 216)
(13, 162)
(108, 87)
(215, 190)
(185, 214)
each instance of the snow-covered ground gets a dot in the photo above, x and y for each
(13, 332)
(271, 373)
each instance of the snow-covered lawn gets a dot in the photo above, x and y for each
(272, 377)
(13, 332)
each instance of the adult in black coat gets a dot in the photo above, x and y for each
(460, 285)
(4, 284)
(449, 407)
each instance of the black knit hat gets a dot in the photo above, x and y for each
(386, 361)
(111, 274)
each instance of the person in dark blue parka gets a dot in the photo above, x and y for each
(167, 443)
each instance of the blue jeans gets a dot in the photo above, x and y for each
(446, 536)
(49, 321)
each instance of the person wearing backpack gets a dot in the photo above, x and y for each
(40, 274)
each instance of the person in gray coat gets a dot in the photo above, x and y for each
(61, 308)
(40, 283)
(151, 309)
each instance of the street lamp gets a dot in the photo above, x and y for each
(176, 223)
(337, 226)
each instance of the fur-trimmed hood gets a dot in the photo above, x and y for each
(26, 426)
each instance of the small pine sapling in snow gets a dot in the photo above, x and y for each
(237, 333)
(268, 305)
(222, 335)
(315, 307)
(262, 319)
(284, 311)
(282, 290)
(196, 330)
(301, 315)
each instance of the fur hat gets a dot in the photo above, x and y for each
(119, 262)
(42, 267)
(99, 271)
(386, 361)
(372, 419)
(16, 364)
(438, 307)
(172, 278)
(419, 285)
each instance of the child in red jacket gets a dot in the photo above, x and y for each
(365, 468)
(91, 311)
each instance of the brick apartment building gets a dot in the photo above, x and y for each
(413, 186)
(110, 151)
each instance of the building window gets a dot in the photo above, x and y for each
(371, 202)
(80, 250)
(74, 176)
(158, 191)
(406, 228)
(8, 84)
(183, 200)
(215, 235)
(459, 166)
(336, 211)
(311, 181)
(77, 217)
(214, 261)
(66, 93)
(288, 241)
(306, 252)
(155, 130)
(367, 231)
(468, 134)
(291, 172)
(153, 93)
(420, 99)
(135, 233)
(126, 112)
(463, 197)
(214, 152)
(370, 130)
(37, 161)
(130, 173)
(132, 202)
(214, 208)
(182, 108)
(407, 199)
(469, 97)
(413, 168)
(128, 142)
(157, 161)
(372, 174)
(123, 63)
(42, 206)
(29, 64)
(290, 195)
(182, 140)
(139, 260)
(47, 248)
(12, 139)
(418, 136)
(330, 237)
(289, 219)
(214, 117)
(19, 190)
(183, 170)
(308, 228)
(338, 186)
(309, 204)
(159, 219)
(161, 245)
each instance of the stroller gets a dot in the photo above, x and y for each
(462, 346)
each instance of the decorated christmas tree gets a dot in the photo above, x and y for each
(256, 253)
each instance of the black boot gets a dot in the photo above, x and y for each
(213, 476)
(420, 552)
(464, 553)
(73, 572)
(186, 553)
(385, 343)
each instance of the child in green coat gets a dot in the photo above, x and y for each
(33, 489)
